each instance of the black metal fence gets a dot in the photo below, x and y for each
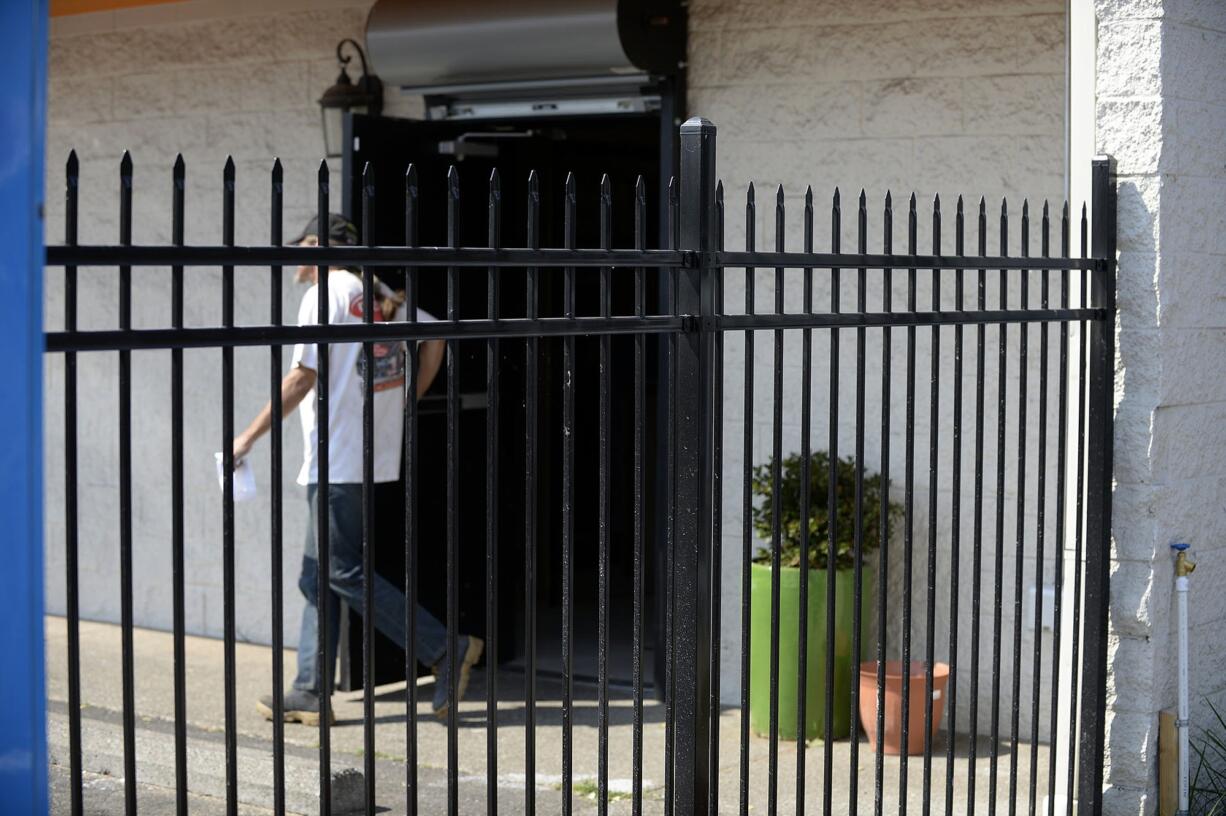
(689, 329)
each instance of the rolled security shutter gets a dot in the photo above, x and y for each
(434, 43)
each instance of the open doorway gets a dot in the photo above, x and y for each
(624, 147)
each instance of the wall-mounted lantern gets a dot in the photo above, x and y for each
(344, 96)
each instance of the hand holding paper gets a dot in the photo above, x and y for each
(244, 478)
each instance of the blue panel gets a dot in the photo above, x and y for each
(23, 741)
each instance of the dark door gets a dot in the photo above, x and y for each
(623, 148)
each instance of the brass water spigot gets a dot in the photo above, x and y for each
(1183, 567)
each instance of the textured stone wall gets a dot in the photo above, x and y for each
(936, 98)
(1162, 113)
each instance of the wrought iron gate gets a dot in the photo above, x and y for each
(697, 329)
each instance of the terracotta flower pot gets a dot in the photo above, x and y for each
(893, 703)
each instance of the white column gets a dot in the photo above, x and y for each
(1079, 150)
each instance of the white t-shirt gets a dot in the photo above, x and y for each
(345, 373)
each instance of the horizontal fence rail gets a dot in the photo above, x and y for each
(820, 512)
(458, 257)
(473, 257)
(95, 340)
(356, 332)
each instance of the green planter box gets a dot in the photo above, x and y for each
(789, 649)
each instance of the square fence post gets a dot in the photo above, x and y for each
(1099, 446)
(693, 368)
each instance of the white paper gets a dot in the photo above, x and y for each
(244, 478)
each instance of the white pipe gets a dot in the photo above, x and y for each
(1183, 568)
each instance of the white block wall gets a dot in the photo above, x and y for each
(209, 80)
(1162, 113)
(936, 98)
(905, 95)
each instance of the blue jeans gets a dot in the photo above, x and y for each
(345, 578)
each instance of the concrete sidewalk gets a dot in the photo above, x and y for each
(153, 657)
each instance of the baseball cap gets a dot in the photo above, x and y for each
(341, 231)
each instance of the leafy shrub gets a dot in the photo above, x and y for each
(791, 523)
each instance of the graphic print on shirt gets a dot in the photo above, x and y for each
(389, 357)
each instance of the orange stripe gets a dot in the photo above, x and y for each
(63, 8)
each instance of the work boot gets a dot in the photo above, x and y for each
(297, 705)
(469, 648)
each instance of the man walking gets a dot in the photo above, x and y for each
(344, 494)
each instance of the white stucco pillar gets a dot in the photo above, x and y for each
(1080, 149)
(1160, 109)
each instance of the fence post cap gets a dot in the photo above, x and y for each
(696, 124)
